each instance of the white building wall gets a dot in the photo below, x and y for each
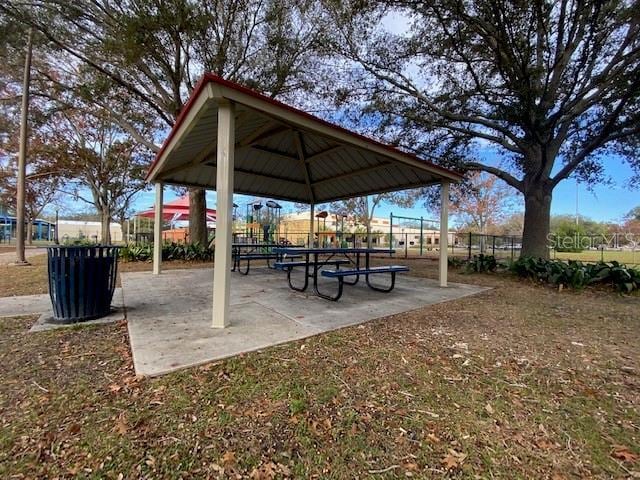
(74, 229)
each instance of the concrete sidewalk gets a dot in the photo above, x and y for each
(41, 305)
(38, 304)
(169, 316)
(24, 305)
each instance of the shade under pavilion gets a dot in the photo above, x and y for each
(235, 140)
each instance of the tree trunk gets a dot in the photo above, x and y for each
(198, 216)
(105, 220)
(29, 232)
(537, 217)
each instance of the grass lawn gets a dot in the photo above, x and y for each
(623, 256)
(517, 382)
(33, 279)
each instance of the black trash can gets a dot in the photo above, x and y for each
(82, 281)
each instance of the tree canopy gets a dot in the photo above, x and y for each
(138, 61)
(552, 87)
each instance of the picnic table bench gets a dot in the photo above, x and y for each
(315, 259)
(254, 251)
(341, 274)
(289, 266)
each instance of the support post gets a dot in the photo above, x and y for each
(311, 225)
(224, 207)
(421, 232)
(157, 230)
(444, 233)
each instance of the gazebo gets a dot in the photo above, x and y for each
(235, 140)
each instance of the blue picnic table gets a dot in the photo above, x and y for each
(315, 260)
(248, 252)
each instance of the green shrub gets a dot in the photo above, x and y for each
(456, 262)
(78, 242)
(482, 264)
(170, 251)
(136, 253)
(569, 249)
(576, 274)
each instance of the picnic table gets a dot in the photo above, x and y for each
(314, 260)
(248, 252)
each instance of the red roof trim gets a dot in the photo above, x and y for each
(183, 114)
(211, 78)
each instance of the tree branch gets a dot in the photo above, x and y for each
(507, 177)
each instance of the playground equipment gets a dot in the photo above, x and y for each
(261, 219)
(342, 243)
(253, 218)
(322, 215)
(421, 224)
(271, 222)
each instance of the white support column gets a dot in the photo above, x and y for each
(224, 208)
(312, 219)
(157, 231)
(444, 233)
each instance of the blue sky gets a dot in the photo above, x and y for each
(604, 203)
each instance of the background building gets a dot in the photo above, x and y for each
(81, 229)
(334, 229)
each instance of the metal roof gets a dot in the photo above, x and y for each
(282, 152)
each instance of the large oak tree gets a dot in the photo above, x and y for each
(552, 86)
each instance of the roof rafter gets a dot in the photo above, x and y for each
(272, 151)
(267, 131)
(322, 153)
(353, 173)
(301, 155)
(262, 175)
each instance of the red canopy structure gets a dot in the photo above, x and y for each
(176, 211)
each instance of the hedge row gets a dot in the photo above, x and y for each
(571, 273)
(170, 251)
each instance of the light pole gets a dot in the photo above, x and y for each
(55, 233)
(577, 214)
(22, 157)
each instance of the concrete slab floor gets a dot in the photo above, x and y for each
(118, 313)
(169, 316)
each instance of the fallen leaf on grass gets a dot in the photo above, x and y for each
(121, 425)
(228, 458)
(489, 409)
(74, 428)
(623, 453)
(433, 438)
(268, 471)
(453, 459)
(543, 444)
